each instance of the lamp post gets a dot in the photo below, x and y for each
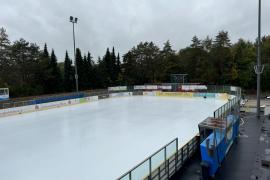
(259, 68)
(73, 21)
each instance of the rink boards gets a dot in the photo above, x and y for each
(69, 141)
(58, 104)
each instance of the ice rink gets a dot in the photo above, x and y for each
(96, 141)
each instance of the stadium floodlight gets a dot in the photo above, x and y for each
(259, 68)
(73, 21)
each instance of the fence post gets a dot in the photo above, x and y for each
(188, 149)
(182, 157)
(165, 157)
(176, 155)
(150, 167)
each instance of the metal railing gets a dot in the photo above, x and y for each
(164, 163)
(172, 164)
(224, 110)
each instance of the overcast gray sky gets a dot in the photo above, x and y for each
(125, 23)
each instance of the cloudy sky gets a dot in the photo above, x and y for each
(125, 23)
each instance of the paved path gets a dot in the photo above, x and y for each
(244, 160)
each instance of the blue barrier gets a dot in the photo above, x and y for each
(215, 147)
(58, 98)
(214, 156)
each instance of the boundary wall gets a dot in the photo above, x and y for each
(183, 91)
(45, 106)
(170, 158)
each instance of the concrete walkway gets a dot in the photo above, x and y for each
(245, 157)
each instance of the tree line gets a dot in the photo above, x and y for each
(26, 69)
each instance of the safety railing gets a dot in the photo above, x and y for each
(233, 102)
(171, 164)
(224, 110)
(164, 163)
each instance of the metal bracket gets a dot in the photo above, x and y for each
(259, 69)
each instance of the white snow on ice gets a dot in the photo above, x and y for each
(96, 141)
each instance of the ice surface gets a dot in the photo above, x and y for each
(95, 141)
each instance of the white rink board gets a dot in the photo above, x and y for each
(96, 141)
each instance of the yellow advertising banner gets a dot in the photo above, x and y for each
(175, 94)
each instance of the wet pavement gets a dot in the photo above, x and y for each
(248, 158)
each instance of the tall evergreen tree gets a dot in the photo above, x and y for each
(222, 40)
(5, 63)
(119, 74)
(45, 53)
(107, 60)
(84, 74)
(101, 74)
(222, 56)
(90, 71)
(55, 83)
(207, 44)
(80, 68)
(113, 69)
(140, 64)
(24, 71)
(44, 69)
(118, 65)
(196, 43)
(69, 80)
(172, 64)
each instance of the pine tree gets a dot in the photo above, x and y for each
(69, 80)
(222, 40)
(80, 68)
(207, 44)
(4, 45)
(45, 53)
(55, 83)
(101, 74)
(5, 64)
(89, 60)
(113, 73)
(108, 68)
(118, 65)
(119, 75)
(84, 74)
(222, 56)
(196, 43)
(140, 64)
(44, 69)
(171, 65)
(90, 71)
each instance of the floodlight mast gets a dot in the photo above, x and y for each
(259, 68)
(73, 21)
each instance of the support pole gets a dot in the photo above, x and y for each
(259, 68)
(75, 61)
